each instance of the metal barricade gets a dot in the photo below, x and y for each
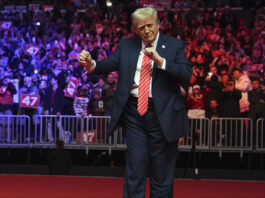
(199, 134)
(94, 134)
(200, 127)
(231, 135)
(49, 128)
(216, 135)
(260, 135)
(119, 139)
(76, 132)
(15, 131)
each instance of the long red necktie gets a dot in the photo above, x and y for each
(144, 84)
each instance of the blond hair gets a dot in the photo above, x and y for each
(144, 12)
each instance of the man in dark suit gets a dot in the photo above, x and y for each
(148, 103)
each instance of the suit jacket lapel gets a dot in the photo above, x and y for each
(161, 50)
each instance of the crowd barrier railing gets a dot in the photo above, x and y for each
(200, 127)
(231, 135)
(215, 135)
(120, 142)
(260, 135)
(15, 131)
(200, 135)
(76, 132)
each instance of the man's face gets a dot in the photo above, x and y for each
(110, 78)
(27, 82)
(53, 81)
(146, 28)
(255, 84)
(213, 69)
(225, 79)
(213, 104)
(236, 75)
(196, 91)
(101, 82)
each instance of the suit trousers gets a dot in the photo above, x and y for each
(148, 154)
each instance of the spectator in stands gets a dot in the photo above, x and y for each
(195, 103)
(42, 87)
(212, 111)
(64, 78)
(222, 65)
(229, 101)
(108, 93)
(193, 81)
(237, 50)
(218, 32)
(28, 88)
(198, 75)
(242, 30)
(54, 97)
(20, 71)
(106, 46)
(213, 73)
(96, 102)
(242, 84)
(165, 25)
(200, 33)
(7, 90)
(59, 161)
(233, 64)
(256, 99)
(213, 88)
(247, 44)
(225, 80)
(255, 71)
(257, 54)
(246, 64)
(179, 24)
(81, 102)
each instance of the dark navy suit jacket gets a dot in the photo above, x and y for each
(168, 101)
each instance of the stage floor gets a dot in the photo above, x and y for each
(28, 186)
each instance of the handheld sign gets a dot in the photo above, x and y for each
(6, 25)
(32, 50)
(3, 89)
(89, 137)
(71, 88)
(29, 101)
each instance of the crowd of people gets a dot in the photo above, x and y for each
(39, 57)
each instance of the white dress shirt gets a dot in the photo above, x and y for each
(135, 87)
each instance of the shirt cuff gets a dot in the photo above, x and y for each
(88, 71)
(163, 66)
(94, 64)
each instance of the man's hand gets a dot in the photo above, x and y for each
(152, 54)
(86, 61)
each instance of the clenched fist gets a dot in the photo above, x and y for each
(153, 55)
(86, 61)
